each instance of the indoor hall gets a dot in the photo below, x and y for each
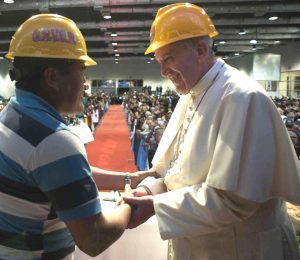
(127, 105)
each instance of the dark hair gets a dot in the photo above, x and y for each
(28, 72)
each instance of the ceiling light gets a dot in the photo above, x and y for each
(242, 32)
(113, 34)
(236, 54)
(116, 62)
(151, 58)
(115, 43)
(9, 1)
(116, 50)
(106, 15)
(148, 61)
(117, 54)
(276, 42)
(222, 42)
(116, 59)
(273, 18)
(253, 41)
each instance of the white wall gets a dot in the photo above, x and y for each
(243, 63)
(150, 73)
(290, 57)
(289, 66)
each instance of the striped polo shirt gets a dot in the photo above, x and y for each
(45, 179)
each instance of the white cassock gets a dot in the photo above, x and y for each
(228, 165)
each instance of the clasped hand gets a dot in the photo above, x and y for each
(141, 206)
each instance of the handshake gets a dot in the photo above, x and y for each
(139, 198)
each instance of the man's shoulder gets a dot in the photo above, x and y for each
(241, 84)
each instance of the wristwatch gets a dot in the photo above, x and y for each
(127, 184)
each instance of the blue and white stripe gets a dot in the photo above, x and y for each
(44, 173)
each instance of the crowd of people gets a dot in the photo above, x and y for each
(147, 116)
(95, 106)
(289, 109)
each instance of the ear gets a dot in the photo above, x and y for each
(202, 49)
(51, 77)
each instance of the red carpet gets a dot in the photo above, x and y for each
(111, 148)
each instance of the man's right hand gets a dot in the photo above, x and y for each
(137, 177)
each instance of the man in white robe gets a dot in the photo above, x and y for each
(226, 162)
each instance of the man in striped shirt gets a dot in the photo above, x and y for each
(48, 200)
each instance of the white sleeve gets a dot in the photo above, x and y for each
(199, 209)
(155, 185)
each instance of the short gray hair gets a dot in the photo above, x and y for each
(209, 41)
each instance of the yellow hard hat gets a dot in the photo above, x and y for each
(49, 36)
(177, 22)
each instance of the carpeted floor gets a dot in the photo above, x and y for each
(111, 148)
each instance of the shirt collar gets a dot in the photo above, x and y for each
(207, 80)
(31, 101)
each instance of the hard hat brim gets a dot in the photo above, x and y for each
(88, 61)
